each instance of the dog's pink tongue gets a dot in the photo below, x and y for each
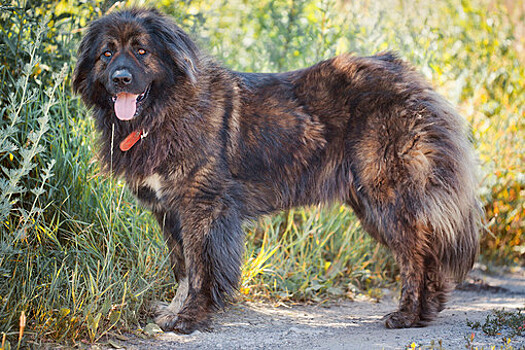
(125, 106)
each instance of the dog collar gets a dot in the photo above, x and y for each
(132, 139)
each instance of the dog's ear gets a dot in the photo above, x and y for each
(176, 44)
(183, 52)
(86, 61)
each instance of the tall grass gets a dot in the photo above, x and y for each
(311, 254)
(79, 258)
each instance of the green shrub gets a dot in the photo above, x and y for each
(76, 257)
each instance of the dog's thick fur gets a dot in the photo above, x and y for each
(221, 147)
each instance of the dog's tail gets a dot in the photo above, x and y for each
(453, 210)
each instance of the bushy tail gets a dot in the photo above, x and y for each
(459, 257)
(454, 210)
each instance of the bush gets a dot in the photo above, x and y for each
(76, 258)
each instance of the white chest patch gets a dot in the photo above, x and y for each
(153, 182)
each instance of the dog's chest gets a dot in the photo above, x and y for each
(153, 182)
(160, 190)
(150, 190)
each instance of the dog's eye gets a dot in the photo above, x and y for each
(141, 51)
(107, 53)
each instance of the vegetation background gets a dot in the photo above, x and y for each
(79, 258)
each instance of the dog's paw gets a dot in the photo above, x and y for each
(186, 326)
(165, 317)
(168, 321)
(399, 319)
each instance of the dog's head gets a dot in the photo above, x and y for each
(130, 60)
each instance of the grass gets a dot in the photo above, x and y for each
(311, 254)
(79, 258)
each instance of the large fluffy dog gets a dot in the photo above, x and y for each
(205, 148)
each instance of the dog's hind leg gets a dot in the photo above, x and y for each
(438, 286)
(409, 252)
(411, 263)
(425, 284)
(409, 247)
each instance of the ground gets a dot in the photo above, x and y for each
(351, 324)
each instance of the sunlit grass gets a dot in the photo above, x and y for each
(311, 254)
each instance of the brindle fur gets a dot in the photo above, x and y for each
(223, 147)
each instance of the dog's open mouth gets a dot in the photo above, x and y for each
(127, 105)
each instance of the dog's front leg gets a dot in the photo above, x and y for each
(213, 249)
(171, 227)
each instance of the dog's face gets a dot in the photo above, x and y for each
(127, 69)
(129, 60)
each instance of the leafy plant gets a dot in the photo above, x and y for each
(499, 321)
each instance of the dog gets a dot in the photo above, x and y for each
(206, 148)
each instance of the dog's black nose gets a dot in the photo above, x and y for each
(122, 76)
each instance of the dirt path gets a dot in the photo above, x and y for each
(351, 325)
